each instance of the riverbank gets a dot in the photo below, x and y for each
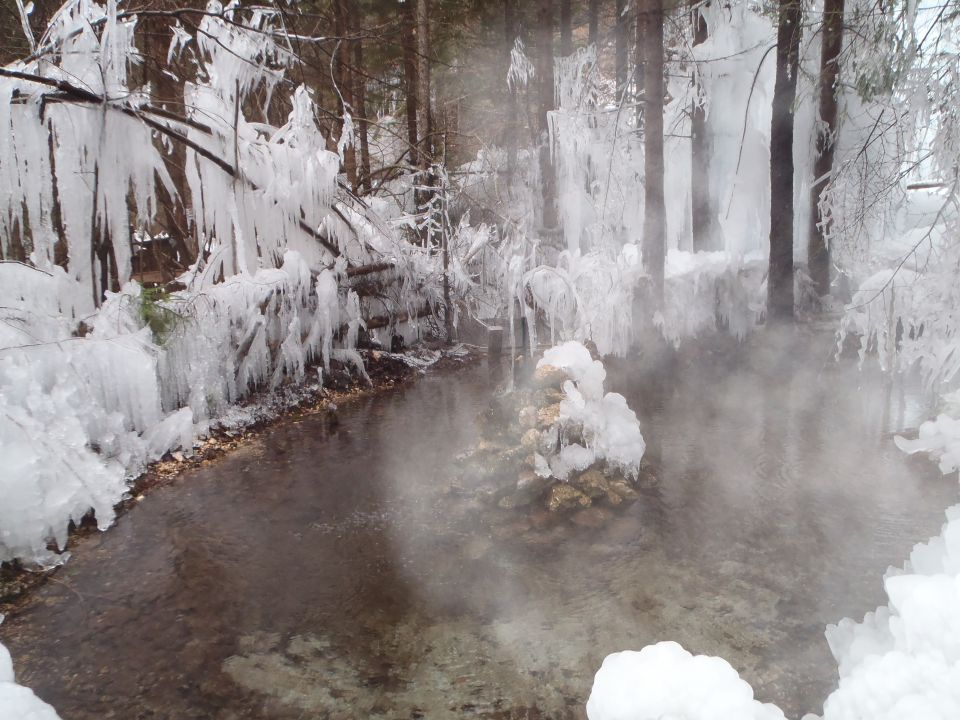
(343, 385)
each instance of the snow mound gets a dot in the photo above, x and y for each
(665, 682)
(16, 701)
(608, 428)
(939, 437)
(902, 662)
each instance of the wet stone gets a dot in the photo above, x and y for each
(549, 415)
(623, 489)
(528, 417)
(548, 376)
(592, 483)
(531, 439)
(531, 486)
(564, 497)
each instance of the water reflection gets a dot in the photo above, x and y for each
(337, 571)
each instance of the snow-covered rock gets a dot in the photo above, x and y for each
(608, 428)
(665, 682)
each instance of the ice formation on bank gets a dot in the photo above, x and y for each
(82, 412)
(664, 681)
(608, 427)
(902, 661)
(18, 702)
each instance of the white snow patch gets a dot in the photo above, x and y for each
(665, 682)
(16, 701)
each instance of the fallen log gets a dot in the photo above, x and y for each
(382, 321)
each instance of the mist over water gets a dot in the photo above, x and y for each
(340, 570)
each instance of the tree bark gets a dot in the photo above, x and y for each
(510, 121)
(566, 28)
(423, 83)
(818, 253)
(700, 210)
(344, 82)
(780, 274)
(654, 216)
(360, 100)
(594, 21)
(548, 180)
(621, 39)
(408, 40)
(638, 70)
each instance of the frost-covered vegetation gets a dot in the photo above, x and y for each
(192, 223)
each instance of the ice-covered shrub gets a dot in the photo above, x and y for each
(665, 681)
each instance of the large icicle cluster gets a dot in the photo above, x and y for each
(665, 681)
(80, 415)
(16, 701)
(69, 169)
(94, 385)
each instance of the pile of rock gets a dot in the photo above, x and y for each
(535, 454)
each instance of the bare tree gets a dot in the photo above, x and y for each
(548, 180)
(650, 15)
(594, 21)
(566, 27)
(818, 253)
(621, 40)
(701, 213)
(780, 274)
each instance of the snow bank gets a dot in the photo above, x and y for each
(82, 413)
(939, 437)
(665, 681)
(16, 701)
(609, 429)
(902, 662)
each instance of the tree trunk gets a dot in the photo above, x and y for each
(700, 210)
(510, 121)
(548, 180)
(780, 275)
(621, 37)
(408, 40)
(344, 81)
(638, 70)
(818, 254)
(360, 100)
(654, 216)
(594, 21)
(566, 28)
(423, 83)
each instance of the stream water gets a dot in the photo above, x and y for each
(330, 570)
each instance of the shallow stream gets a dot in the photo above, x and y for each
(333, 570)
